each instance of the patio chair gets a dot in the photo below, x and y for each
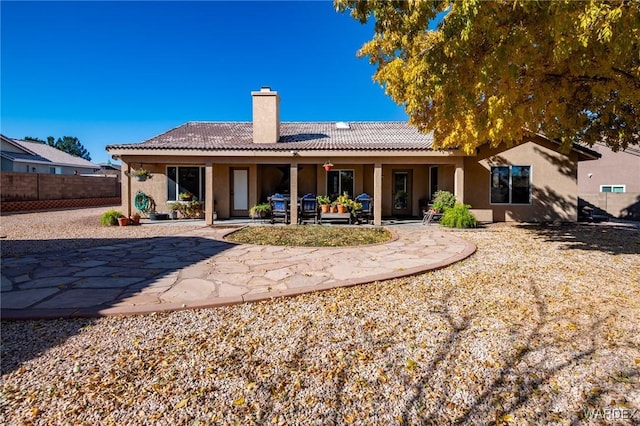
(430, 215)
(366, 212)
(308, 209)
(279, 208)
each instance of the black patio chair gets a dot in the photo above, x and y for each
(366, 212)
(308, 209)
(279, 208)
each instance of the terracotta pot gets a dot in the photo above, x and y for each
(334, 209)
(325, 208)
(328, 167)
(123, 221)
(342, 209)
(135, 220)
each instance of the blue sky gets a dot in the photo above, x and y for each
(122, 72)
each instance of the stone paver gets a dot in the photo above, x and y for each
(199, 269)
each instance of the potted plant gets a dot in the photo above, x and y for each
(325, 203)
(135, 219)
(327, 165)
(259, 211)
(140, 174)
(343, 202)
(185, 196)
(174, 208)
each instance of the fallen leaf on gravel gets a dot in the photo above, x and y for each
(181, 403)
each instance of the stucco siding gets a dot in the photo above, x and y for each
(553, 178)
(614, 168)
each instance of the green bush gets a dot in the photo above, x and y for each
(443, 200)
(458, 216)
(110, 217)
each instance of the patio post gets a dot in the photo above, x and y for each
(208, 199)
(293, 203)
(377, 194)
(125, 189)
(458, 180)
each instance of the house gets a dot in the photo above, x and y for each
(611, 185)
(35, 157)
(233, 165)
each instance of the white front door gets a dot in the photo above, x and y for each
(239, 192)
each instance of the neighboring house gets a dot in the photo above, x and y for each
(612, 184)
(240, 164)
(35, 157)
(109, 168)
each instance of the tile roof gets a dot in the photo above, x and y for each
(212, 136)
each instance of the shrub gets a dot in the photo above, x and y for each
(110, 217)
(443, 200)
(458, 216)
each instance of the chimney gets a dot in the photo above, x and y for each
(266, 116)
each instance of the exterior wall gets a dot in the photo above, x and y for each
(156, 187)
(419, 187)
(30, 206)
(622, 205)
(553, 175)
(265, 177)
(7, 165)
(18, 186)
(614, 168)
(24, 167)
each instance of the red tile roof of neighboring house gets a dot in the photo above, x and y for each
(211, 136)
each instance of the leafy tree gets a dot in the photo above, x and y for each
(69, 144)
(493, 71)
(72, 145)
(32, 139)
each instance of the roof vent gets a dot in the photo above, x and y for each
(342, 125)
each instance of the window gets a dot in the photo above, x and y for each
(339, 181)
(55, 170)
(185, 179)
(613, 188)
(511, 185)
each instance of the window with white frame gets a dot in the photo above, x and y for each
(185, 179)
(511, 185)
(613, 188)
(340, 181)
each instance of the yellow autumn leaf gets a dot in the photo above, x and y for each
(239, 401)
(181, 404)
(507, 418)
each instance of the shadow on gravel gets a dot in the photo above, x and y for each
(82, 282)
(607, 237)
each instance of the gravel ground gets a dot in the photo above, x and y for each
(540, 326)
(73, 229)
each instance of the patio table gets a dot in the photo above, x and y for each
(330, 217)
